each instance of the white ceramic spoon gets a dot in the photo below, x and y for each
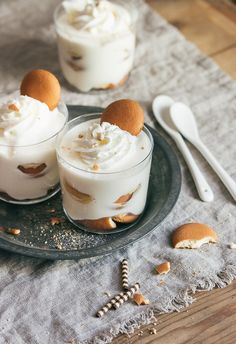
(185, 122)
(161, 106)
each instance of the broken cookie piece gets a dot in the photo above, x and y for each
(105, 223)
(32, 169)
(125, 218)
(13, 107)
(124, 198)
(140, 299)
(78, 195)
(163, 268)
(13, 231)
(55, 221)
(193, 235)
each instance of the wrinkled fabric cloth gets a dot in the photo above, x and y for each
(55, 302)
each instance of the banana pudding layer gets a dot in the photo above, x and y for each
(28, 167)
(104, 172)
(96, 43)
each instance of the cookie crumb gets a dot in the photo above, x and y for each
(152, 331)
(55, 221)
(163, 268)
(51, 210)
(140, 333)
(140, 299)
(13, 231)
(13, 107)
(95, 167)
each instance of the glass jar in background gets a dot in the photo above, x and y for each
(96, 44)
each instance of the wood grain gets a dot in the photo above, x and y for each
(211, 25)
(226, 7)
(227, 60)
(210, 320)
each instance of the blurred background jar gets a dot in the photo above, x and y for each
(96, 42)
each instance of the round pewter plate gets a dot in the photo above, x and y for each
(40, 238)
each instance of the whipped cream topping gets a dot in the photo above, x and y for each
(102, 145)
(97, 16)
(25, 121)
(96, 147)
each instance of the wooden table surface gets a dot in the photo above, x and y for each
(211, 25)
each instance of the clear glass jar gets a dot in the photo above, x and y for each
(29, 173)
(102, 202)
(95, 61)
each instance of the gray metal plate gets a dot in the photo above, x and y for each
(38, 238)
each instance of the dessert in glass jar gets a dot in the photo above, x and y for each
(96, 42)
(104, 166)
(29, 124)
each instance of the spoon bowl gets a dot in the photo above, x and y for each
(161, 108)
(184, 120)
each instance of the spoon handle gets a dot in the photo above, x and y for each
(204, 190)
(219, 170)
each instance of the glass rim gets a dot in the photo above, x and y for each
(66, 114)
(133, 15)
(98, 114)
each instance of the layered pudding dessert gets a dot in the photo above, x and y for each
(104, 165)
(96, 42)
(29, 124)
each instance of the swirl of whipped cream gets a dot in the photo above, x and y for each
(97, 17)
(103, 145)
(26, 121)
